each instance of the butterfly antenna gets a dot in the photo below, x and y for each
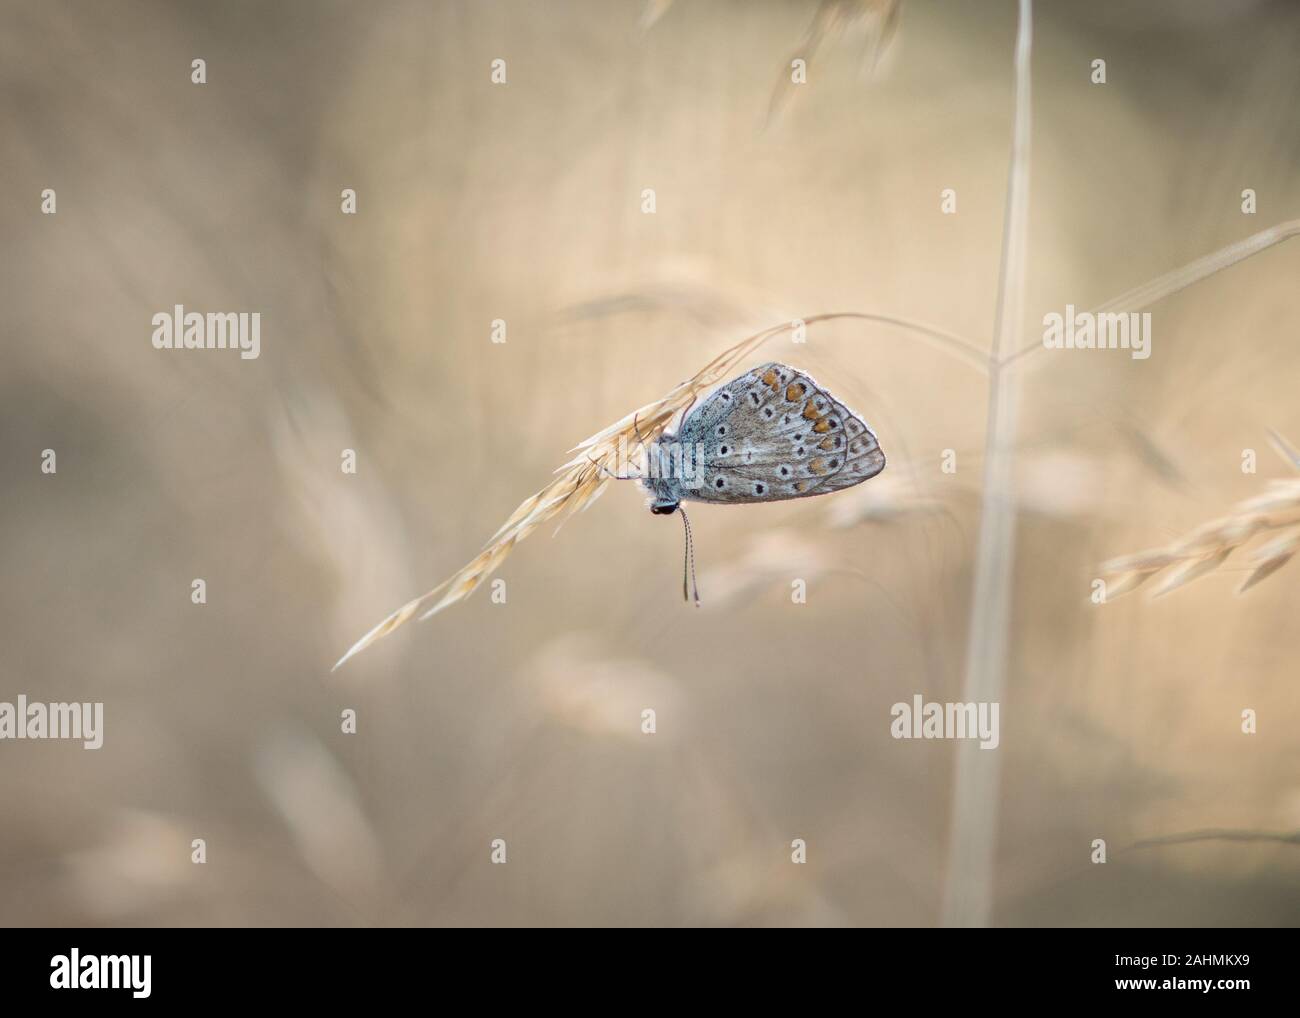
(688, 563)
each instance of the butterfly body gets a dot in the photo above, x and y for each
(770, 435)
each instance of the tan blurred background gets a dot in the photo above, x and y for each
(522, 721)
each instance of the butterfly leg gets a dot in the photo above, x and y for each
(687, 409)
(636, 430)
(613, 476)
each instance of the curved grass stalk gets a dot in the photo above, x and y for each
(583, 478)
(1181, 278)
(1217, 834)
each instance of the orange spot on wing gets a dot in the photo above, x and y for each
(821, 427)
(817, 466)
(825, 443)
(801, 486)
(795, 392)
(770, 379)
(810, 411)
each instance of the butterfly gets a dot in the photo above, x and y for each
(769, 435)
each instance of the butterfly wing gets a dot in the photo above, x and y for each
(774, 434)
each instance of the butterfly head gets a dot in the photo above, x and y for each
(662, 480)
(664, 484)
(665, 495)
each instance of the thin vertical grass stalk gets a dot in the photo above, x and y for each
(968, 891)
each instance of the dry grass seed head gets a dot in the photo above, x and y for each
(1207, 547)
(576, 485)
